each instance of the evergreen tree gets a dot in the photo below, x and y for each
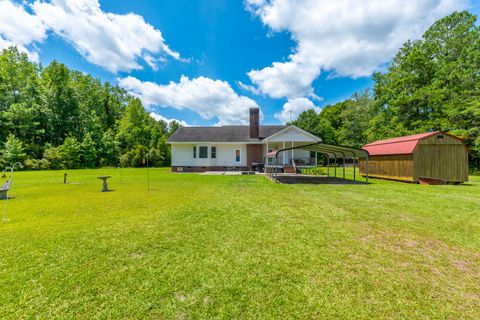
(13, 151)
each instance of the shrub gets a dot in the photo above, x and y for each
(317, 171)
(37, 164)
(54, 157)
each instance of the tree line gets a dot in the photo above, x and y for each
(54, 117)
(432, 84)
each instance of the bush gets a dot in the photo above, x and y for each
(317, 171)
(137, 157)
(35, 164)
(54, 157)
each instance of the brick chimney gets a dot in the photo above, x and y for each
(254, 123)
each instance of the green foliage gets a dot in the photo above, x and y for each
(89, 151)
(317, 171)
(108, 149)
(13, 151)
(53, 156)
(344, 123)
(66, 119)
(70, 153)
(34, 164)
(432, 84)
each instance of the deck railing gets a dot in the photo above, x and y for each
(299, 161)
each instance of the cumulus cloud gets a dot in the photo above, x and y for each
(350, 38)
(20, 28)
(159, 117)
(211, 99)
(112, 41)
(116, 42)
(292, 109)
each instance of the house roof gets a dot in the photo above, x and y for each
(400, 145)
(222, 134)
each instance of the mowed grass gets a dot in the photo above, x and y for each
(237, 247)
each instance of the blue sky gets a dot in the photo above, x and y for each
(283, 56)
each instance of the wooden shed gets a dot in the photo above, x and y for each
(431, 155)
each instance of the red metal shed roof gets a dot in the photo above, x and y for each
(400, 145)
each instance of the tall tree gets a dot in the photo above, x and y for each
(59, 100)
(433, 83)
(20, 112)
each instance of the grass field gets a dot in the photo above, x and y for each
(237, 247)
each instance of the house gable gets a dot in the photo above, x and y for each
(294, 134)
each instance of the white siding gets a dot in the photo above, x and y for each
(182, 155)
(226, 155)
(293, 134)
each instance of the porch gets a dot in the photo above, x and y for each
(277, 170)
(292, 138)
(295, 157)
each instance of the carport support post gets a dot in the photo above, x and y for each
(275, 166)
(354, 175)
(328, 166)
(293, 154)
(266, 155)
(335, 166)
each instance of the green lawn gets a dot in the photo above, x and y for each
(237, 247)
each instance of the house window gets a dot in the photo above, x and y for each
(194, 152)
(203, 153)
(440, 136)
(213, 153)
(237, 155)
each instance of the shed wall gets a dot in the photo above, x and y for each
(394, 167)
(445, 158)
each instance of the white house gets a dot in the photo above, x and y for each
(224, 148)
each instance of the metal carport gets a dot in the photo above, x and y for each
(331, 152)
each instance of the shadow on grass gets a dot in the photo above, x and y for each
(303, 179)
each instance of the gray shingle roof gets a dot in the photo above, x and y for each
(221, 134)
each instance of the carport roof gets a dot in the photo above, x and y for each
(332, 151)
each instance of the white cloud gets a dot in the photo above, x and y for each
(347, 37)
(292, 109)
(207, 97)
(287, 79)
(159, 117)
(248, 88)
(19, 28)
(112, 41)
